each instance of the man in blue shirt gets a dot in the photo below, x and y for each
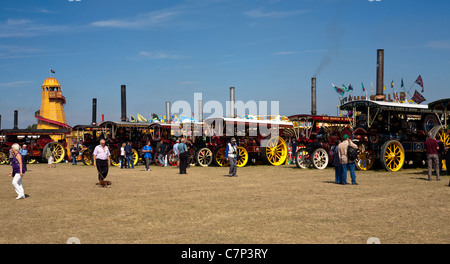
(147, 150)
(184, 155)
(129, 155)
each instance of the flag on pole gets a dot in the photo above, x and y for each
(350, 87)
(362, 85)
(402, 84)
(392, 84)
(52, 71)
(344, 88)
(419, 81)
(418, 98)
(339, 90)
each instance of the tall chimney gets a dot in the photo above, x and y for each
(123, 96)
(232, 101)
(94, 111)
(313, 96)
(380, 96)
(16, 117)
(200, 110)
(168, 114)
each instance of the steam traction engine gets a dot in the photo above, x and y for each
(392, 133)
(257, 140)
(315, 135)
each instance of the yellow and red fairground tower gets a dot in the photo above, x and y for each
(51, 114)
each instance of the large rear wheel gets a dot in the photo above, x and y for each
(275, 151)
(392, 155)
(59, 153)
(219, 157)
(243, 157)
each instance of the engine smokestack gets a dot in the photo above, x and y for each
(94, 111)
(232, 103)
(168, 114)
(313, 97)
(16, 119)
(380, 76)
(123, 96)
(200, 110)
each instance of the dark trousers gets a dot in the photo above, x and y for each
(183, 162)
(123, 162)
(102, 168)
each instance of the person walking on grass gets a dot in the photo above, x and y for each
(347, 162)
(102, 159)
(231, 154)
(432, 150)
(147, 150)
(17, 171)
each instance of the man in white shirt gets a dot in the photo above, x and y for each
(102, 159)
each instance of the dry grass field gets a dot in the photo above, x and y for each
(265, 204)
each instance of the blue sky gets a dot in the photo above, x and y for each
(168, 50)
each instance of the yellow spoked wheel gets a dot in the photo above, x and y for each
(135, 157)
(115, 157)
(365, 159)
(86, 155)
(219, 157)
(243, 157)
(59, 153)
(392, 155)
(204, 157)
(275, 151)
(2, 158)
(443, 135)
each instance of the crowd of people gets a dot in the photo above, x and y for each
(344, 155)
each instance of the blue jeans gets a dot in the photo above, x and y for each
(351, 167)
(130, 161)
(337, 174)
(74, 160)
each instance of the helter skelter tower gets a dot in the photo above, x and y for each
(51, 114)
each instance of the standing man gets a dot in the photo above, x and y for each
(102, 159)
(346, 163)
(183, 154)
(231, 154)
(175, 151)
(74, 153)
(129, 155)
(432, 148)
(24, 153)
(147, 150)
